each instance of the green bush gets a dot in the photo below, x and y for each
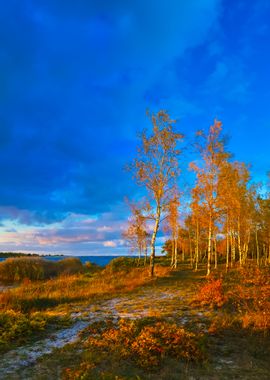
(17, 269)
(122, 264)
(22, 268)
(91, 268)
(70, 265)
(16, 327)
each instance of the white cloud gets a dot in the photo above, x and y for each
(104, 229)
(109, 243)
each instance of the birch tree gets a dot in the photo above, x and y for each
(156, 169)
(212, 156)
(136, 233)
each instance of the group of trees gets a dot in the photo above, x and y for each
(228, 219)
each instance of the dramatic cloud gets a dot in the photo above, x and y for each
(76, 80)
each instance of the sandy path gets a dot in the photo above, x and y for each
(150, 302)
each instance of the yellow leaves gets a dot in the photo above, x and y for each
(157, 164)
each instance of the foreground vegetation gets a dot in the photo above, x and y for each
(136, 346)
(31, 308)
(228, 323)
(180, 324)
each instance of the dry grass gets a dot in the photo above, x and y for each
(31, 308)
(76, 288)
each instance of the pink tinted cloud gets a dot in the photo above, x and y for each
(110, 244)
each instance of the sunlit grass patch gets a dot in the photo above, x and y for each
(53, 300)
(67, 289)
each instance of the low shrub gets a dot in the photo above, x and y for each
(211, 293)
(17, 269)
(16, 327)
(122, 264)
(91, 268)
(36, 268)
(70, 265)
(250, 298)
(145, 343)
(244, 294)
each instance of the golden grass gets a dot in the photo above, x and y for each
(75, 288)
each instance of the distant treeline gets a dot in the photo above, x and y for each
(16, 254)
(19, 254)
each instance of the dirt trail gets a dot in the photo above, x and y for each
(28, 354)
(158, 301)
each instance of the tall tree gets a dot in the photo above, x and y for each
(236, 203)
(212, 152)
(156, 169)
(265, 229)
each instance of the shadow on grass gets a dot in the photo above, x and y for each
(183, 276)
(41, 303)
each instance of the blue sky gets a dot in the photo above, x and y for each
(76, 80)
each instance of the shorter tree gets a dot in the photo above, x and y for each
(136, 232)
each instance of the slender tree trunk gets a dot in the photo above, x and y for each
(227, 245)
(209, 249)
(239, 243)
(215, 245)
(175, 253)
(197, 246)
(190, 249)
(232, 248)
(257, 246)
(172, 253)
(246, 246)
(153, 241)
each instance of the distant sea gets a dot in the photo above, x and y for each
(99, 260)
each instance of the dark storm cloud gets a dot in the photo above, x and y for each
(74, 77)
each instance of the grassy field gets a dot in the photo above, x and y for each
(179, 325)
